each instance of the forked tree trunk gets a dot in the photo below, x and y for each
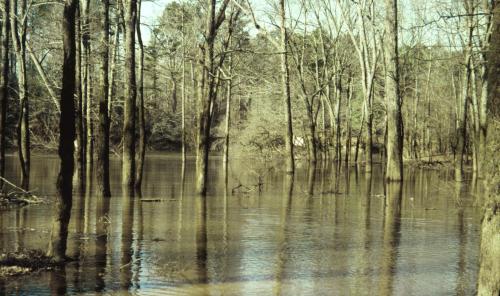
(394, 170)
(207, 84)
(102, 139)
(63, 201)
(130, 94)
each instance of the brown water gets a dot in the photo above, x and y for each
(361, 240)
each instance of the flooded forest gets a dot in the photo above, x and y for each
(250, 147)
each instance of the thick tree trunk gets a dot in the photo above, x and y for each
(63, 201)
(285, 76)
(102, 139)
(19, 44)
(394, 170)
(489, 270)
(130, 94)
(142, 124)
(4, 84)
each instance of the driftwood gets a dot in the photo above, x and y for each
(18, 197)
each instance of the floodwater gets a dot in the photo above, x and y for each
(349, 237)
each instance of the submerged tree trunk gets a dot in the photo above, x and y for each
(285, 75)
(102, 139)
(63, 201)
(142, 124)
(394, 170)
(5, 84)
(130, 94)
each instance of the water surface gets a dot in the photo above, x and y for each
(351, 236)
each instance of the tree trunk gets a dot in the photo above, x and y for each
(19, 44)
(489, 267)
(360, 133)
(80, 136)
(112, 67)
(63, 201)
(228, 111)
(285, 75)
(102, 139)
(338, 127)
(86, 89)
(348, 143)
(394, 170)
(130, 94)
(207, 92)
(142, 124)
(183, 93)
(5, 84)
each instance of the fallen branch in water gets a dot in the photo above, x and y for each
(18, 197)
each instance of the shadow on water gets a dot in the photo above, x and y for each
(324, 229)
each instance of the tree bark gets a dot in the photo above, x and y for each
(183, 93)
(394, 170)
(207, 84)
(4, 84)
(112, 67)
(285, 76)
(102, 139)
(80, 132)
(489, 269)
(130, 94)
(19, 44)
(63, 201)
(142, 124)
(86, 90)
(462, 116)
